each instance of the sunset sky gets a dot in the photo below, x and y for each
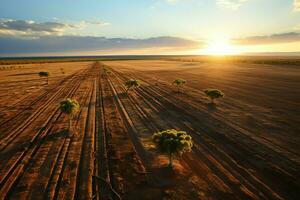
(110, 27)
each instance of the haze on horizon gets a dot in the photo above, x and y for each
(114, 27)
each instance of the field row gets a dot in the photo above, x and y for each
(109, 154)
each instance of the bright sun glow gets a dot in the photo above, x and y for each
(221, 47)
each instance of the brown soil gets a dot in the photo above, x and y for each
(245, 147)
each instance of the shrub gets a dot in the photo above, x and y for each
(69, 107)
(107, 70)
(179, 83)
(172, 142)
(45, 74)
(132, 84)
(213, 94)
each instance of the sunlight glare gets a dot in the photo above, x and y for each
(221, 47)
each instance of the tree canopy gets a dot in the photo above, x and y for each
(179, 82)
(69, 106)
(107, 70)
(213, 94)
(132, 84)
(46, 74)
(172, 142)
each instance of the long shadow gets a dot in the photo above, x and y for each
(25, 145)
(122, 95)
(211, 107)
(171, 93)
(22, 74)
(5, 155)
(60, 134)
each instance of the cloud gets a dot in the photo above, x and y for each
(231, 4)
(31, 28)
(296, 5)
(269, 39)
(98, 23)
(30, 37)
(50, 44)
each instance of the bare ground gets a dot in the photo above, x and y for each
(245, 147)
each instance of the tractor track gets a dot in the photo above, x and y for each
(146, 118)
(118, 128)
(13, 175)
(21, 113)
(109, 153)
(153, 93)
(14, 131)
(260, 139)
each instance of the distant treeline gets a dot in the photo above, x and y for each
(270, 60)
(267, 60)
(33, 60)
(273, 62)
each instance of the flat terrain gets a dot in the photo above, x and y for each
(245, 147)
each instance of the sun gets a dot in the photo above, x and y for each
(221, 47)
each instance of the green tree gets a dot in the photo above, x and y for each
(179, 83)
(45, 74)
(172, 142)
(213, 94)
(132, 84)
(107, 70)
(69, 107)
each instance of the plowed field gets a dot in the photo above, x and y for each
(245, 147)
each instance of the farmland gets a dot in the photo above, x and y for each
(246, 146)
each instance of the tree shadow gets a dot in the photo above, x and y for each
(12, 151)
(122, 95)
(211, 107)
(173, 93)
(163, 176)
(60, 134)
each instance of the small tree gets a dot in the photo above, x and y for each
(213, 94)
(172, 142)
(107, 70)
(132, 84)
(45, 74)
(179, 83)
(69, 107)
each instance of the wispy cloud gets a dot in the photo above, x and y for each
(296, 5)
(269, 39)
(98, 23)
(231, 4)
